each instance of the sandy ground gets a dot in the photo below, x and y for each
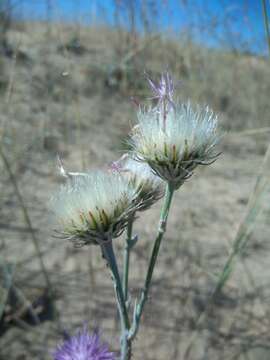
(206, 213)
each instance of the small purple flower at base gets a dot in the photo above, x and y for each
(83, 346)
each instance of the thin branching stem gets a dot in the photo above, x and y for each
(127, 257)
(109, 255)
(162, 228)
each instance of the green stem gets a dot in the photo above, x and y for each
(162, 228)
(126, 349)
(127, 257)
(109, 255)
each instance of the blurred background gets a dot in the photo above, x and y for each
(68, 71)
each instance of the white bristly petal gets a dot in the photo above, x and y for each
(150, 187)
(94, 207)
(174, 144)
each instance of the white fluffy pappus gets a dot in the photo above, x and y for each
(94, 207)
(174, 143)
(150, 188)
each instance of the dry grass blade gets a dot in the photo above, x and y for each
(254, 208)
(250, 132)
(26, 218)
(32, 233)
(266, 23)
(6, 274)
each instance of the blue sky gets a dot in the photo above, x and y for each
(212, 22)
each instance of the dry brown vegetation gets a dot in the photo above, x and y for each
(68, 92)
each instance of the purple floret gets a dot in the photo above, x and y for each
(164, 89)
(83, 346)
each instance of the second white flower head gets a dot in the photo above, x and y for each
(94, 207)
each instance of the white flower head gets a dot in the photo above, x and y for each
(149, 187)
(175, 142)
(94, 207)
